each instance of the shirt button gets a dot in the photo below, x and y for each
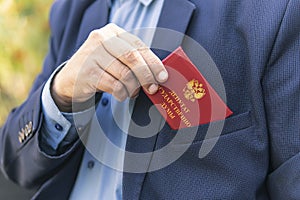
(91, 164)
(80, 128)
(58, 127)
(104, 101)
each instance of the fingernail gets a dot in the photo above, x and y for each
(152, 88)
(163, 76)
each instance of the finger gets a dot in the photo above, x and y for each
(131, 57)
(156, 66)
(126, 76)
(109, 84)
(130, 38)
(118, 70)
(154, 63)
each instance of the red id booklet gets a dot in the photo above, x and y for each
(187, 99)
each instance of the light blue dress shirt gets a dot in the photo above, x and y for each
(95, 180)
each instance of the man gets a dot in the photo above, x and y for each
(256, 49)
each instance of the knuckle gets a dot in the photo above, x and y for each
(117, 87)
(148, 77)
(153, 61)
(131, 56)
(126, 75)
(94, 72)
(119, 91)
(143, 74)
(98, 78)
(110, 25)
(138, 43)
(134, 90)
(134, 93)
(94, 35)
(145, 50)
(130, 83)
(150, 57)
(94, 32)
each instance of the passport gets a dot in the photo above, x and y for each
(186, 99)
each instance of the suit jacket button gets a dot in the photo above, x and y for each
(21, 136)
(20, 139)
(30, 125)
(28, 130)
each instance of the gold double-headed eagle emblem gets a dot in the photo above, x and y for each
(194, 90)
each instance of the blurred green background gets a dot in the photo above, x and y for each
(24, 32)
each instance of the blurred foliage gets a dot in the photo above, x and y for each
(24, 32)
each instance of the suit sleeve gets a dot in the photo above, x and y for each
(281, 84)
(22, 160)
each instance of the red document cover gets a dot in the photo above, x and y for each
(187, 99)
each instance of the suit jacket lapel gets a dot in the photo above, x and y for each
(95, 17)
(172, 25)
(175, 16)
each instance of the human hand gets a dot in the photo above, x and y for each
(110, 60)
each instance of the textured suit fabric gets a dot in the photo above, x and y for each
(255, 46)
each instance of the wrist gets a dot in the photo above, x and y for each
(66, 104)
(63, 103)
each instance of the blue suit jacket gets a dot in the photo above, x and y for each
(256, 47)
